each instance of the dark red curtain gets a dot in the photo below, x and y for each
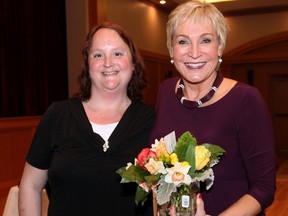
(33, 56)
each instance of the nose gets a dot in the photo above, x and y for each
(107, 61)
(194, 51)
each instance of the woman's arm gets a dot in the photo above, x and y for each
(30, 190)
(246, 205)
(257, 149)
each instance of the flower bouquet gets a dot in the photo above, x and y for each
(173, 170)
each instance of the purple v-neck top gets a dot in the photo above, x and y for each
(240, 123)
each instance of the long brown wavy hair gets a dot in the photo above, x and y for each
(138, 80)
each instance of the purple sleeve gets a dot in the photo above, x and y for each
(257, 148)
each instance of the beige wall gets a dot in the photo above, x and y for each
(247, 28)
(146, 25)
(76, 28)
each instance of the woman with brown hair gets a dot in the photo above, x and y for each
(82, 141)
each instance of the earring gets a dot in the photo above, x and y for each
(219, 59)
(172, 61)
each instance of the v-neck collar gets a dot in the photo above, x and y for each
(120, 132)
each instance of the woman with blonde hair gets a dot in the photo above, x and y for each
(217, 110)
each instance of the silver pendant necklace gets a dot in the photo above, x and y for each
(105, 146)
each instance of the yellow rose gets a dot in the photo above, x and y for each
(202, 157)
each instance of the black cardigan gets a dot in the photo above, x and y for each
(81, 175)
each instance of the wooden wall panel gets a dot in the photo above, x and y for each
(153, 78)
(15, 138)
(157, 68)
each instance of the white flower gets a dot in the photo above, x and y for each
(128, 165)
(178, 174)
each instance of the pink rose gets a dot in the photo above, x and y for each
(144, 155)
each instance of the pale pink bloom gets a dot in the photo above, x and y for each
(178, 174)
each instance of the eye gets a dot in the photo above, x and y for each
(206, 41)
(182, 42)
(118, 54)
(96, 55)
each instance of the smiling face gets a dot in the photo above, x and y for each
(195, 50)
(110, 62)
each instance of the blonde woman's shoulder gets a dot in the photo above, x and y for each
(226, 85)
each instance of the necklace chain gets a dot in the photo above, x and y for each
(193, 104)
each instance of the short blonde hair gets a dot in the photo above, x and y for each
(196, 10)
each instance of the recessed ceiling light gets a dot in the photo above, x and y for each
(162, 2)
(217, 1)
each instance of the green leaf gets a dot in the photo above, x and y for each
(133, 173)
(164, 192)
(121, 170)
(152, 179)
(141, 195)
(123, 180)
(215, 150)
(182, 144)
(190, 158)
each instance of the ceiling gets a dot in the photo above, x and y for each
(232, 8)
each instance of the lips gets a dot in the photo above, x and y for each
(109, 73)
(195, 65)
